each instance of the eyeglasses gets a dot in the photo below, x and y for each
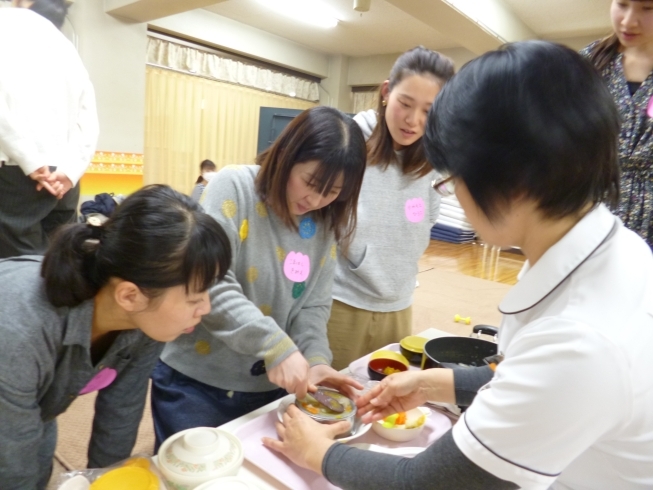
(445, 187)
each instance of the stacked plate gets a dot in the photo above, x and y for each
(452, 225)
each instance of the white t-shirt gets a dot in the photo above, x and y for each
(571, 406)
(47, 103)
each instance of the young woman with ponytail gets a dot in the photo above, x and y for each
(625, 61)
(92, 315)
(375, 277)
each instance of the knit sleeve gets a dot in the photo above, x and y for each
(234, 319)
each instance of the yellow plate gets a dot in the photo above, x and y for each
(413, 343)
(389, 354)
(127, 478)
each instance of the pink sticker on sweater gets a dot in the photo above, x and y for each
(649, 108)
(415, 210)
(297, 266)
(101, 380)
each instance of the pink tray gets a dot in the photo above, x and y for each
(298, 478)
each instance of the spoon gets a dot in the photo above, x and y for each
(328, 401)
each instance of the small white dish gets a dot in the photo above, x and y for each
(397, 434)
(358, 429)
(228, 483)
(407, 452)
(194, 456)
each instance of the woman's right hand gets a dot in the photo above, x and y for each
(401, 392)
(398, 392)
(291, 374)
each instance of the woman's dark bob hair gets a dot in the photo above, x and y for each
(532, 119)
(333, 139)
(157, 238)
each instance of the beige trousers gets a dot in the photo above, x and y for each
(354, 332)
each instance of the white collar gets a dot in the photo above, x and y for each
(560, 261)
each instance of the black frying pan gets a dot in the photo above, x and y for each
(450, 352)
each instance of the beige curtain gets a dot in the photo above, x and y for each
(189, 119)
(193, 61)
(362, 101)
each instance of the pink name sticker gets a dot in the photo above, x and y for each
(297, 266)
(415, 209)
(101, 380)
(649, 108)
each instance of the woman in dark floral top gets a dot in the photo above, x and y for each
(625, 60)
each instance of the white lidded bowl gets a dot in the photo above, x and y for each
(398, 434)
(194, 456)
(228, 483)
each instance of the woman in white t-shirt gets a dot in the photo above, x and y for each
(528, 136)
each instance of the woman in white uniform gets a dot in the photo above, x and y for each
(528, 135)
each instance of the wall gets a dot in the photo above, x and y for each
(113, 52)
(372, 70)
(208, 27)
(577, 43)
(335, 91)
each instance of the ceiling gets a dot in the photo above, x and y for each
(384, 29)
(388, 29)
(554, 19)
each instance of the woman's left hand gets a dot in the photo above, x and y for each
(325, 375)
(304, 441)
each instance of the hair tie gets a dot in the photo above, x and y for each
(96, 231)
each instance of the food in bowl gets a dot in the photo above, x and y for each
(400, 421)
(377, 369)
(389, 354)
(323, 414)
(312, 407)
(402, 426)
(358, 428)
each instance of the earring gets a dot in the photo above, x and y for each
(384, 102)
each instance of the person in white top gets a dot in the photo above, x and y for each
(571, 404)
(48, 127)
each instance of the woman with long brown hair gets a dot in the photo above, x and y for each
(375, 277)
(625, 61)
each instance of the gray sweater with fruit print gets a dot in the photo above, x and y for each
(274, 300)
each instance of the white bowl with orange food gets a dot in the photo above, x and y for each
(322, 414)
(402, 426)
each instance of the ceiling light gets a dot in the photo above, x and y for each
(309, 11)
(362, 5)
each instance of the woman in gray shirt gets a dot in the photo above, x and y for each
(93, 315)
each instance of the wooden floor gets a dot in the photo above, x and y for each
(473, 259)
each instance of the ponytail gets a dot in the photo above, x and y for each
(69, 265)
(157, 238)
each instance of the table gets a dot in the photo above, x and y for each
(252, 473)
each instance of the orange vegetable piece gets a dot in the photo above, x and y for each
(311, 408)
(401, 418)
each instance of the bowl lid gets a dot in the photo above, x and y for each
(413, 343)
(201, 451)
(319, 412)
(131, 477)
